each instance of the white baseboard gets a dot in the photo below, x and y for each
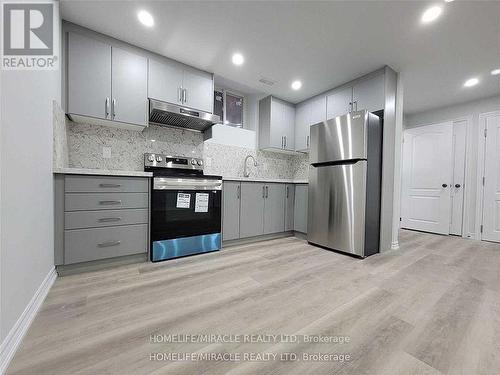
(11, 343)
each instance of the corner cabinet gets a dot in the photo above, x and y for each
(105, 84)
(276, 125)
(172, 82)
(308, 113)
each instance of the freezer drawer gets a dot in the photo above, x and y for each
(337, 200)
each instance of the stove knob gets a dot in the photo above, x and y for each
(151, 158)
(193, 162)
(159, 159)
(200, 162)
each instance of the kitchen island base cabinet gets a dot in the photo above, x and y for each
(231, 210)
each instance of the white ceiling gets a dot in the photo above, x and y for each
(324, 44)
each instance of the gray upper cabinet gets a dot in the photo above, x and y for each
(289, 206)
(105, 83)
(165, 81)
(274, 208)
(276, 124)
(252, 209)
(129, 87)
(369, 94)
(175, 83)
(231, 210)
(198, 90)
(339, 103)
(88, 77)
(308, 113)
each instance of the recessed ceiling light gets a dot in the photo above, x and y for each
(495, 72)
(471, 82)
(431, 14)
(146, 18)
(296, 85)
(238, 59)
(448, 1)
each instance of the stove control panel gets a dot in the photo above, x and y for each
(178, 162)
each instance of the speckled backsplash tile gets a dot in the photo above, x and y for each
(86, 142)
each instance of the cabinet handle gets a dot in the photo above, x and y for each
(109, 243)
(356, 102)
(287, 192)
(307, 142)
(113, 109)
(350, 107)
(267, 191)
(238, 191)
(263, 191)
(184, 95)
(285, 141)
(110, 185)
(109, 219)
(179, 93)
(109, 203)
(107, 108)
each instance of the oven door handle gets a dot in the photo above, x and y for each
(169, 183)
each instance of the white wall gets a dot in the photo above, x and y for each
(26, 212)
(471, 112)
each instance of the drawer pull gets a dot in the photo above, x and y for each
(110, 185)
(109, 203)
(109, 243)
(109, 219)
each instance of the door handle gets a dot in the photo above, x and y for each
(267, 191)
(444, 185)
(109, 219)
(107, 108)
(263, 191)
(238, 191)
(307, 142)
(287, 192)
(457, 185)
(179, 94)
(184, 95)
(113, 109)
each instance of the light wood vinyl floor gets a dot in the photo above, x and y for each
(432, 307)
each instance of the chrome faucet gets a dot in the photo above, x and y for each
(246, 173)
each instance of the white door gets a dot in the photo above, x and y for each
(427, 176)
(491, 193)
(457, 188)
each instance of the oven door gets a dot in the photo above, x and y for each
(185, 216)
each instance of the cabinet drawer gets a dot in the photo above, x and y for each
(104, 218)
(98, 184)
(105, 201)
(82, 245)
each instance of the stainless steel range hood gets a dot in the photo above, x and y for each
(166, 114)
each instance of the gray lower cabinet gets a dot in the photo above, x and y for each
(289, 206)
(231, 210)
(300, 208)
(98, 217)
(274, 208)
(252, 209)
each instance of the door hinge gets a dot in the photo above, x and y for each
(485, 132)
(481, 228)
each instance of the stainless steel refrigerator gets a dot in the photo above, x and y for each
(344, 184)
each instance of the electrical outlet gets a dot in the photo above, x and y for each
(106, 152)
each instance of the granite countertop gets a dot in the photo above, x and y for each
(102, 172)
(260, 179)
